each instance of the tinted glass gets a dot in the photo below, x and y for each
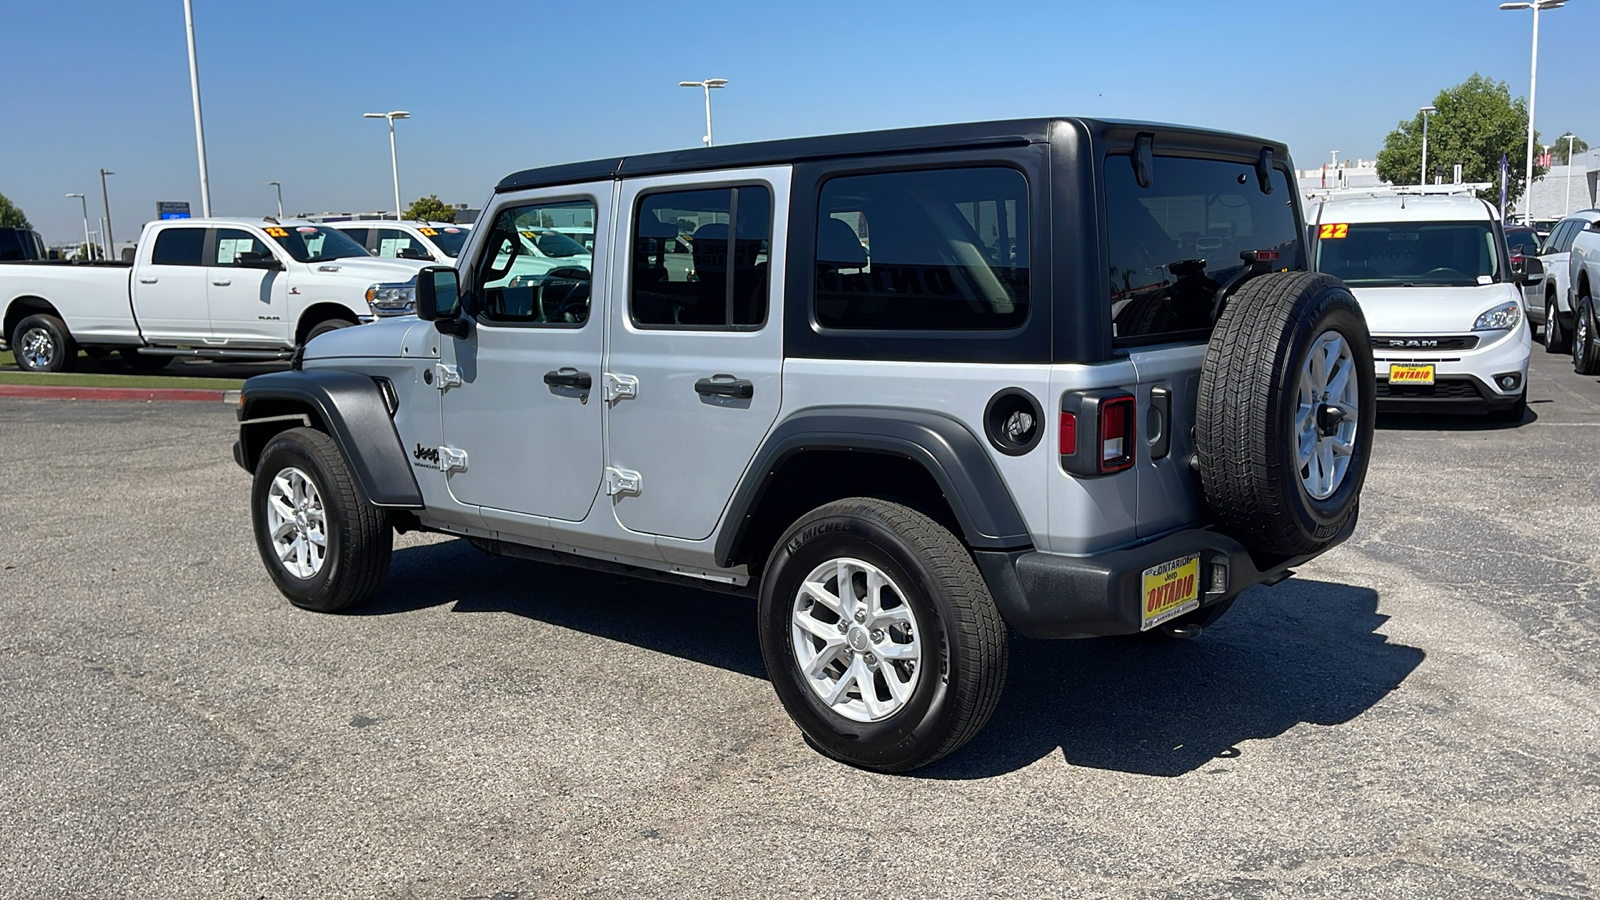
(937, 250)
(1405, 254)
(522, 286)
(684, 271)
(178, 247)
(314, 243)
(396, 244)
(1566, 232)
(448, 238)
(231, 243)
(11, 245)
(1524, 243)
(1171, 245)
(359, 235)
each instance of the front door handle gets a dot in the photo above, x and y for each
(725, 386)
(222, 282)
(148, 280)
(569, 378)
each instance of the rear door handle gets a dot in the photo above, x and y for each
(148, 280)
(570, 378)
(725, 386)
(223, 282)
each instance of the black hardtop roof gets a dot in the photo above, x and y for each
(1011, 132)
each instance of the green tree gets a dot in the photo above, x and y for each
(431, 209)
(1478, 121)
(1558, 153)
(11, 215)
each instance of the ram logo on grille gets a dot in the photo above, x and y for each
(1424, 342)
(1408, 343)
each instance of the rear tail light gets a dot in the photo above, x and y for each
(1116, 434)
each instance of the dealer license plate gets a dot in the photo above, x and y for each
(1411, 374)
(1170, 590)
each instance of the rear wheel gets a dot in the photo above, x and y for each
(1286, 410)
(880, 636)
(41, 343)
(1555, 340)
(1585, 341)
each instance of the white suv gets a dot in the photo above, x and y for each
(1548, 294)
(1433, 278)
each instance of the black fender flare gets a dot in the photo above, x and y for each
(956, 458)
(350, 407)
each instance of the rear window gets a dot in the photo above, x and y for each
(933, 250)
(1171, 245)
(178, 247)
(1406, 254)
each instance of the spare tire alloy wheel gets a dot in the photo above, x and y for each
(879, 634)
(1287, 406)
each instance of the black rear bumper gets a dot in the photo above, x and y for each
(1046, 595)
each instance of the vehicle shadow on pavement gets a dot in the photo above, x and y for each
(1303, 651)
(702, 626)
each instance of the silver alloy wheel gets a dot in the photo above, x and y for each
(1580, 332)
(856, 640)
(297, 522)
(1327, 416)
(37, 347)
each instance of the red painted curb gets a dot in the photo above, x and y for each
(68, 392)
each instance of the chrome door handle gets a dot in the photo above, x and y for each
(148, 280)
(223, 282)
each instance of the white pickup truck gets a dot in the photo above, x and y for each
(242, 289)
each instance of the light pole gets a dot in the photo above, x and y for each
(199, 130)
(104, 198)
(1566, 208)
(85, 201)
(280, 197)
(394, 161)
(1426, 110)
(1533, 81)
(707, 85)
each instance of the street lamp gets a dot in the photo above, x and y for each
(707, 85)
(199, 130)
(1426, 110)
(84, 200)
(280, 197)
(1533, 81)
(106, 232)
(394, 161)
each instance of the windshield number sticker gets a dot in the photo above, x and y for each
(277, 232)
(1331, 232)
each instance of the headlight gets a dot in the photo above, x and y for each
(395, 299)
(1501, 318)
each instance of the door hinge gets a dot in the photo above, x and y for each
(618, 387)
(446, 377)
(451, 459)
(622, 481)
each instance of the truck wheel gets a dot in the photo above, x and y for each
(323, 545)
(144, 362)
(41, 343)
(1286, 412)
(326, 326)
(879, 635)
(1555, 340)
(1585, 343)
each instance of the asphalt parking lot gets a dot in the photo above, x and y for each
(1413, 715)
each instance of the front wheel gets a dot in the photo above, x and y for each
(880, 635)
(323, 545)
(41, 343)
(323, 327)
(1585, 342)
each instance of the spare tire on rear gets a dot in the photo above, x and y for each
(1286, 411)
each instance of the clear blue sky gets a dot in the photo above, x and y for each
(496, 85)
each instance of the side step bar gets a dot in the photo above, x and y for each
(209, 353)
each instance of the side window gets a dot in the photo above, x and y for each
(1172, 244)
(521, 284)
(231, 243)
(178, 247)
(359, 235)
(1565, 232)
(700, 258)
(944, 249)
(396, 244)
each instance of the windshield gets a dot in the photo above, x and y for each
(448, 239)
(1409, 254)
(314, 243)
(554, 243)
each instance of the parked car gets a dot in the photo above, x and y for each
(1522, 242)
(1548, 291)
(242, 289)
(1583, 264)
(924, 385)
(423, 241)
(1434, 279)
(21, 243)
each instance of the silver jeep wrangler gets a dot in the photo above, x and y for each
(906, 388)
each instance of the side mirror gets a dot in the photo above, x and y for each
(439, 300)
(258, 261)
(1532, 267)
(414, 253)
